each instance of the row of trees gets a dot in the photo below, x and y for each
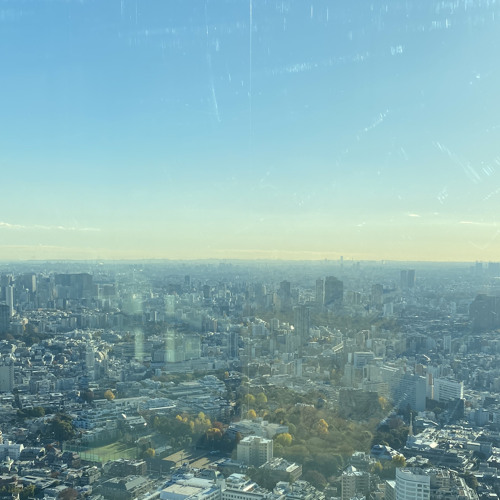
(184, 430)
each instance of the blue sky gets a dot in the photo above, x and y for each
(191, 129)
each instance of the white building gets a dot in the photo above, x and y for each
(239, 487)
(11, 450)
(257, 427)
(412, 484)
(354, 482)
(192, 489)
(254, 450)
(447, 390)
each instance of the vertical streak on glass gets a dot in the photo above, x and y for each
(250, 143)
(250, 77)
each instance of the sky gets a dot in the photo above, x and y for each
(241, 129)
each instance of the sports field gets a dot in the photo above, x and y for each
(104, 453)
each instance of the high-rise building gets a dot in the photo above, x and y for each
(403, 279)
(320, 292)
(484, 312)
(334, 291)
(207, 292)
(411, 391)
(4, 318)
(139, 346)
(377, 295)
(285, 295)
(28, 282)
(354, 482)
(89, 360)
(302, 323)
(233, 341)
(254, 450)
(74, 286)
(9, 299)
(412, 484)
(448, 390)
(411, 278)
(407, 278)
(6, 374)
(390, 489)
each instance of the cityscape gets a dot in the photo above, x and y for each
(250, 380)
(249, 250)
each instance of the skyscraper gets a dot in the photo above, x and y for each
(320, 292)
(411, 278)
(4, 318)
(9, 298)
(403, 279)
(334, 291)
(233, 340)
(407, 278)
(410, 390)
(285, 295)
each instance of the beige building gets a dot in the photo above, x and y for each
(254, 450)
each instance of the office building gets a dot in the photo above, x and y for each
(485, 312)
(74, 286)
(254, 450)
(4, 318)
(410, 391)
(285, 295)
(448, 390)
(412, 484)
(334, 291)
(354, 482)
(6, 374)
(9, 299)
(233, 344)
(320, 292)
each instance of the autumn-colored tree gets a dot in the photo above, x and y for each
(284, 439)
(109, 395)
(249, 399)
(261, 399)
(251, 414)
(383, 402)
(399, 461)
(322, 426)
(149, 453)
(218, 425)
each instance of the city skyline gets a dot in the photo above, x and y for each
(245, 130)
